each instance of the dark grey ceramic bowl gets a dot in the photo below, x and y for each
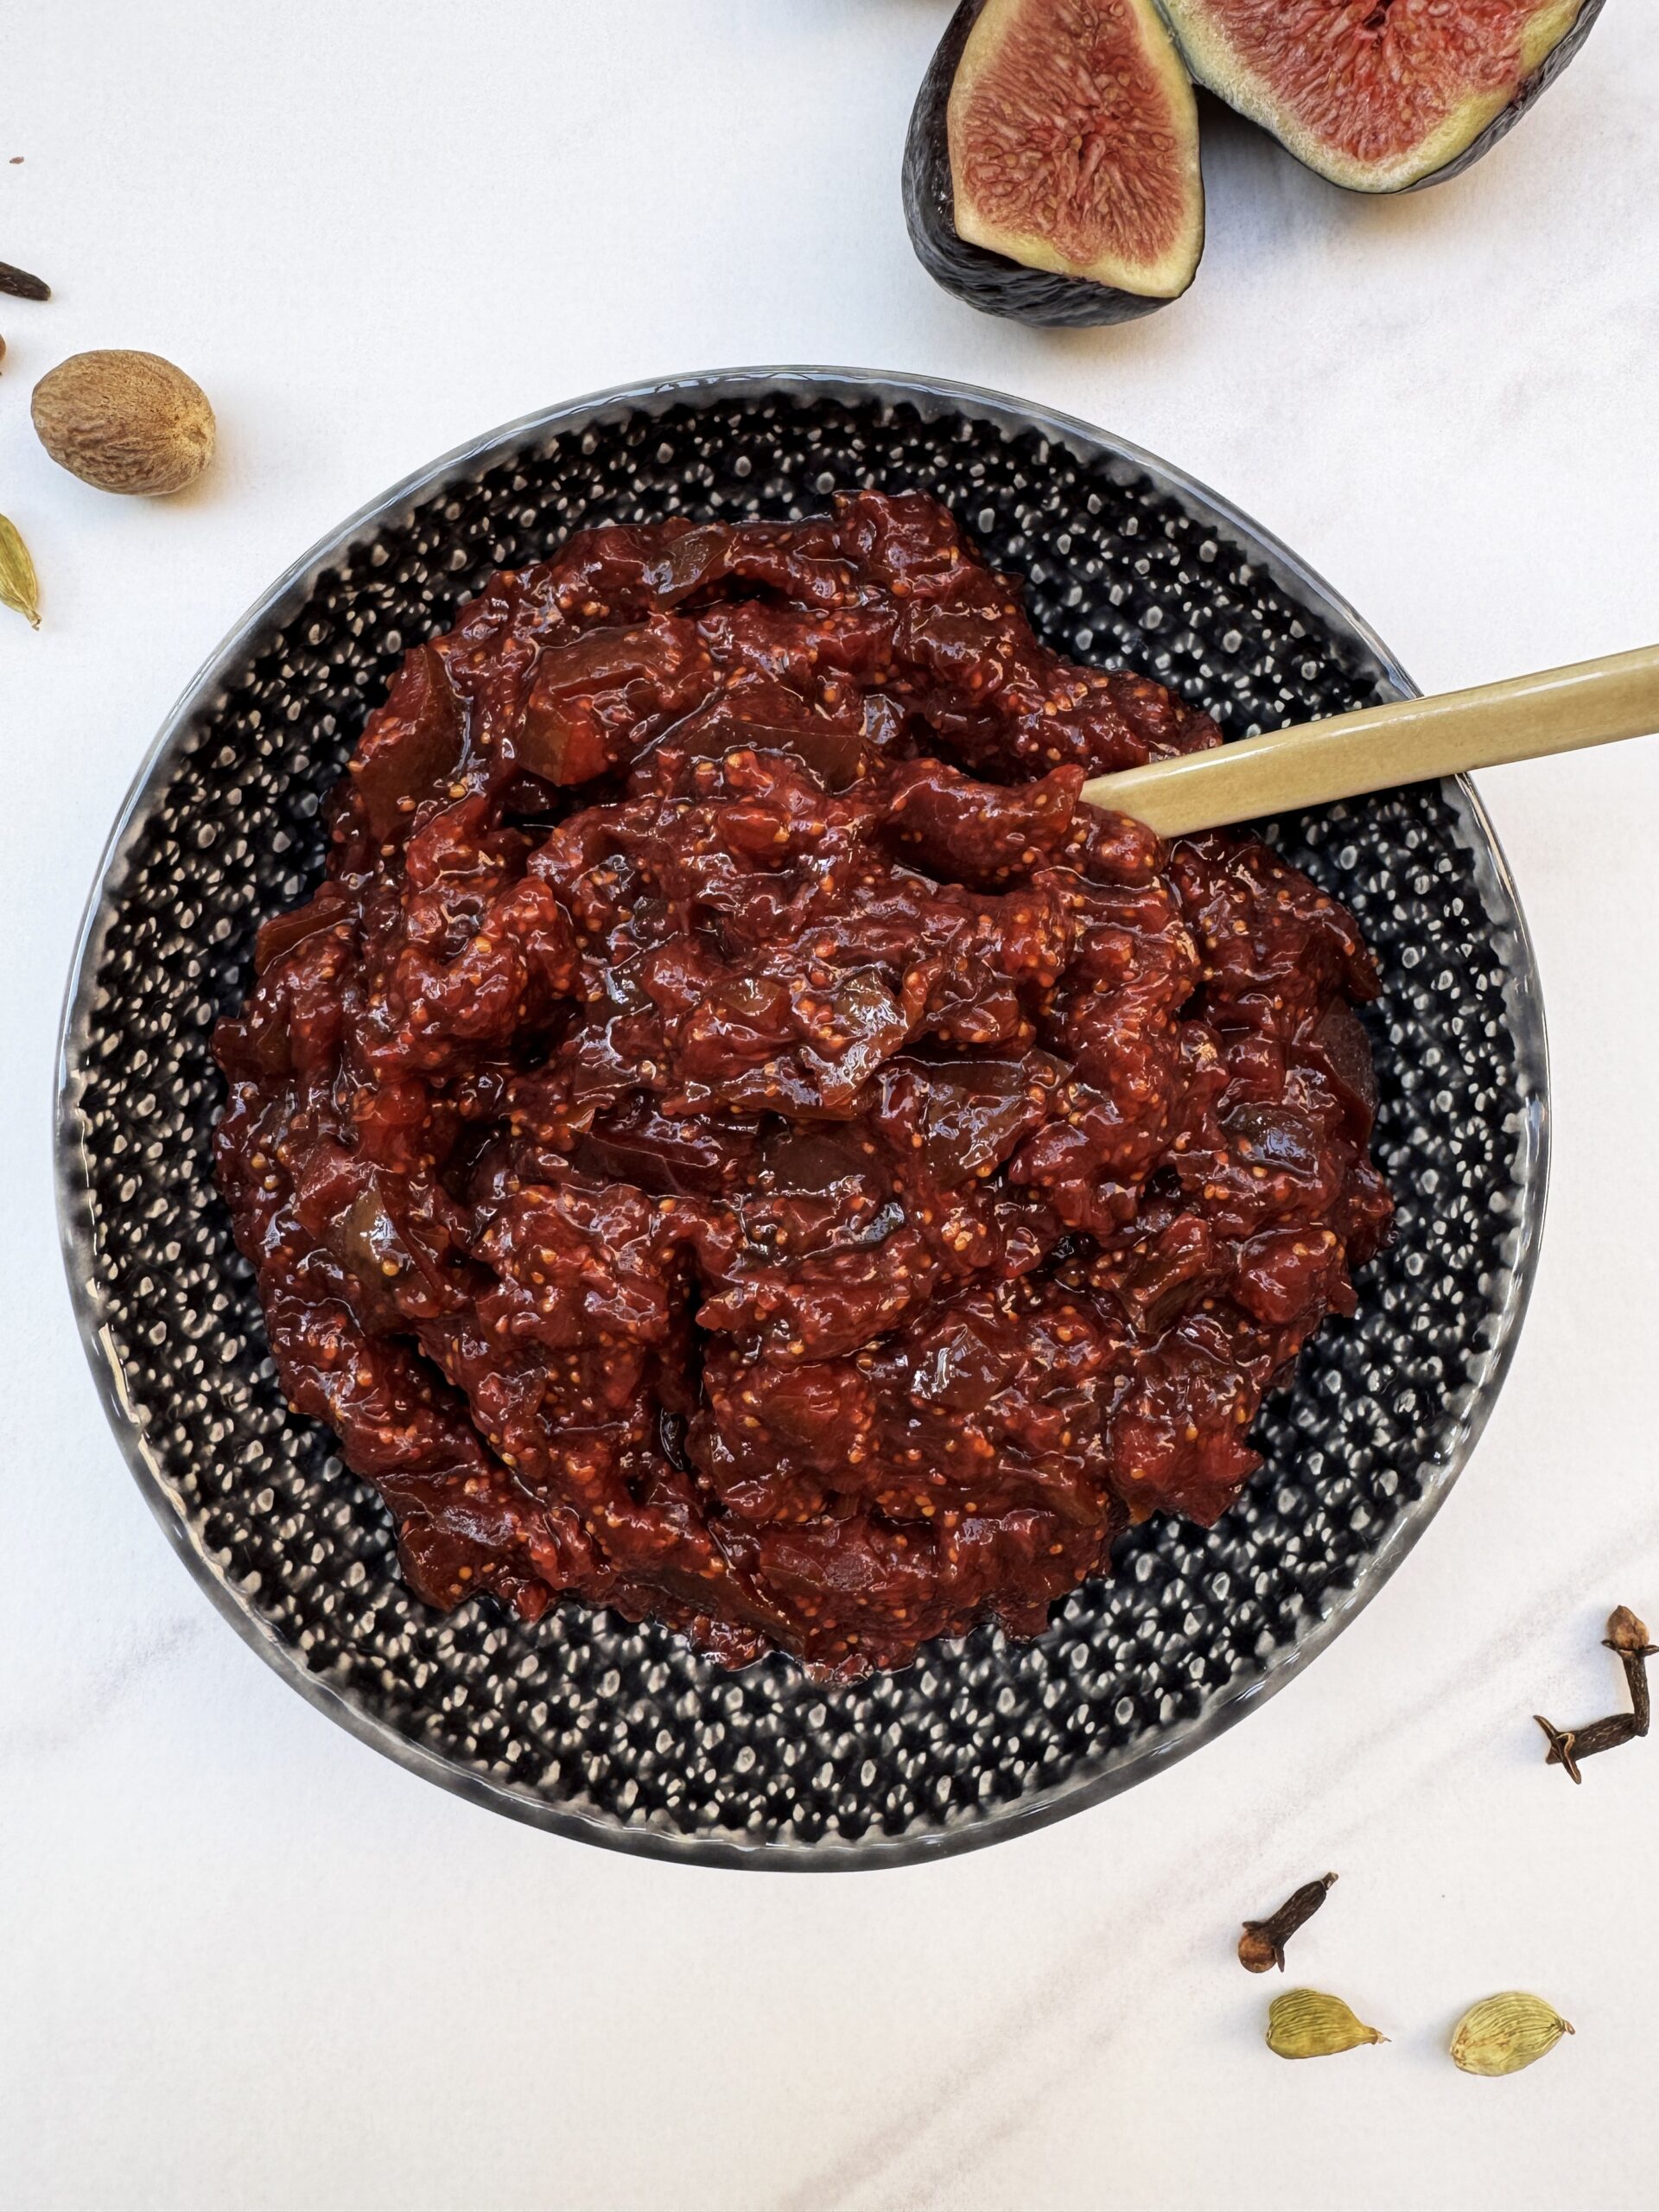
(620, 1734)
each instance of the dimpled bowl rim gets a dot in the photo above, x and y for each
(930, 397)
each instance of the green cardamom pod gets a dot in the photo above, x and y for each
(1503, 2034)
(19, 585)
(1306, 2023)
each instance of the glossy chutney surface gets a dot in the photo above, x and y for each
(734, 1138)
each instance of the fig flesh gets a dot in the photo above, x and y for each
(1051, 169)
(1382, 95)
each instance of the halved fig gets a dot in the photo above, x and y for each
(1382, 95)
(1051, 169)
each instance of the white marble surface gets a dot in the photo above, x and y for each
(243, 1963)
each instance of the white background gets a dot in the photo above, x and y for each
(245, 1963)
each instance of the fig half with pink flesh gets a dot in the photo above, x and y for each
(1382, 95)
(1052, 170)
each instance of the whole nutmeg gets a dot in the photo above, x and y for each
(125, 422)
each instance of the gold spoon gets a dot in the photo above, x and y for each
(1592, 703)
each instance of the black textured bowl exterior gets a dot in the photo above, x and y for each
(989, 282)
(622, 1734)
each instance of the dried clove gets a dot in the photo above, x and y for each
(1628, 1637)
(1569, 1745)
(1262, 1943)
(21, 285)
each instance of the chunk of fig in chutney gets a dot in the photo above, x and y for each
(734, 1138)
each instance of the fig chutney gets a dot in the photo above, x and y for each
(734, 1139)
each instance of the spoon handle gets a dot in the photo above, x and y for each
(1593, 702)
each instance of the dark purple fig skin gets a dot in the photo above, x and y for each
(989, 282)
